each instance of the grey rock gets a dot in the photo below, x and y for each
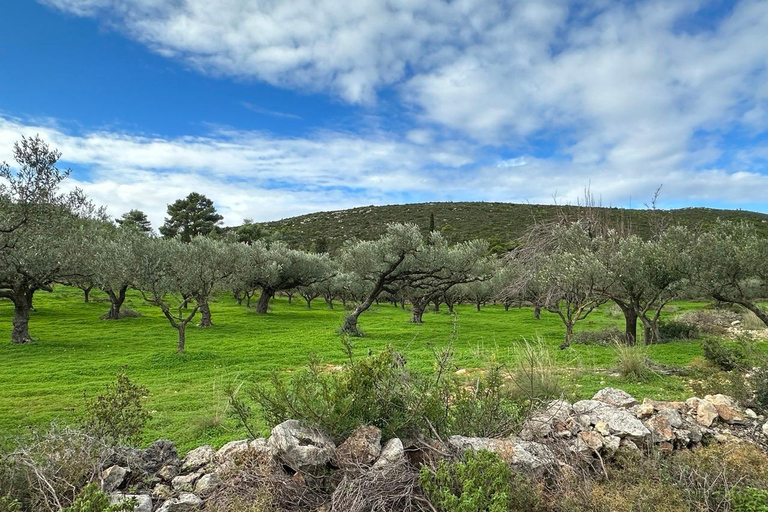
(232, 450)
(198, 458)
(548, 421)
(620, 422)
(160, 453)
(207, 484)
(113, 478)
(162, 492)
(392, 453)
(167, 473)
(144, 502)
(765, 428)
(520, 454)
(673, 417)
(615, 397)
(300, 447)
(186, 502)
(185, 482)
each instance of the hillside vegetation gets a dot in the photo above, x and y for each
(502, 223)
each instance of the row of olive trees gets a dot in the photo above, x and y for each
(570, 270)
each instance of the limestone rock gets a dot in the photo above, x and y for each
(520, 454)
(644, 410)
(615, 397)
(361, 448)
(673, 416)
(186, 502)
(661, 429)
(548, 421)
(207, 484)
(300, 447)
(143, 502)
(160, 453)
(620, 422)
(611, 443)
(765, 428)
(726, 408)
(198, 458)
(706, 413)
(593, 439)
(392, 453)
(113, 478)
(168, 473)
(232, 450)
(185, 482)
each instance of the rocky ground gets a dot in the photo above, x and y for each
(556, 435)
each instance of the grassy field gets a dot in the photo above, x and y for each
(77, 354)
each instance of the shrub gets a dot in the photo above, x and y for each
(118, 415)
(46, 471)
(749, 499)
(380, 390)
(91, 499)
(708, 321)
(676, 330)
(727, 357)
(605, 338)
(759, 383)
(480, 482)
(633, 363)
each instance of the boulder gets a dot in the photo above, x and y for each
(611, 443)
(186, 502)
(167, 473)
(361, 448)
(661, 429)
(593, 440)
(113, 478)
(207, 484)
(198, 458)
(143, 502)
(232, 450)
(392, 453)
(300, 447)
(705, 413)
(644, 410)
(185, 482)
(727, 409)
(548, 421)
(615, 397)
(160, 453)
(673, 416)
(522, 455)
(620, 422)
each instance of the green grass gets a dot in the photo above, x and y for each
(77, 354)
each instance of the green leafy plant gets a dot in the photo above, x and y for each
(8, 504)
(749, 499)
(480, 482)
(118, 415)
(91, 499)
(727, 357)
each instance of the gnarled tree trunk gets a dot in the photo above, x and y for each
(263, 305)
(116, 301)
(205, 314)
(21, 310)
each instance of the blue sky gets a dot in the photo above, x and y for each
(277, 108)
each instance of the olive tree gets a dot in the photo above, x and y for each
(561, 269)
(377, 264)
(165, 278)
(438, 267)
(41, 229)
(281, 268)
(729, 265)
(211, 265)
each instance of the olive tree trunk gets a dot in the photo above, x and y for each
(116, 301)
(263, 305)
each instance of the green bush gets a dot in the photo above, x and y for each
(380, 390)
(480, 482)
(676, 330)
(91, 499)
(118, 415)
(727, 357)
(633, 363)
(749, 499)
(759, 383)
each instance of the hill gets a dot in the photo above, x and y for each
(501, 223)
